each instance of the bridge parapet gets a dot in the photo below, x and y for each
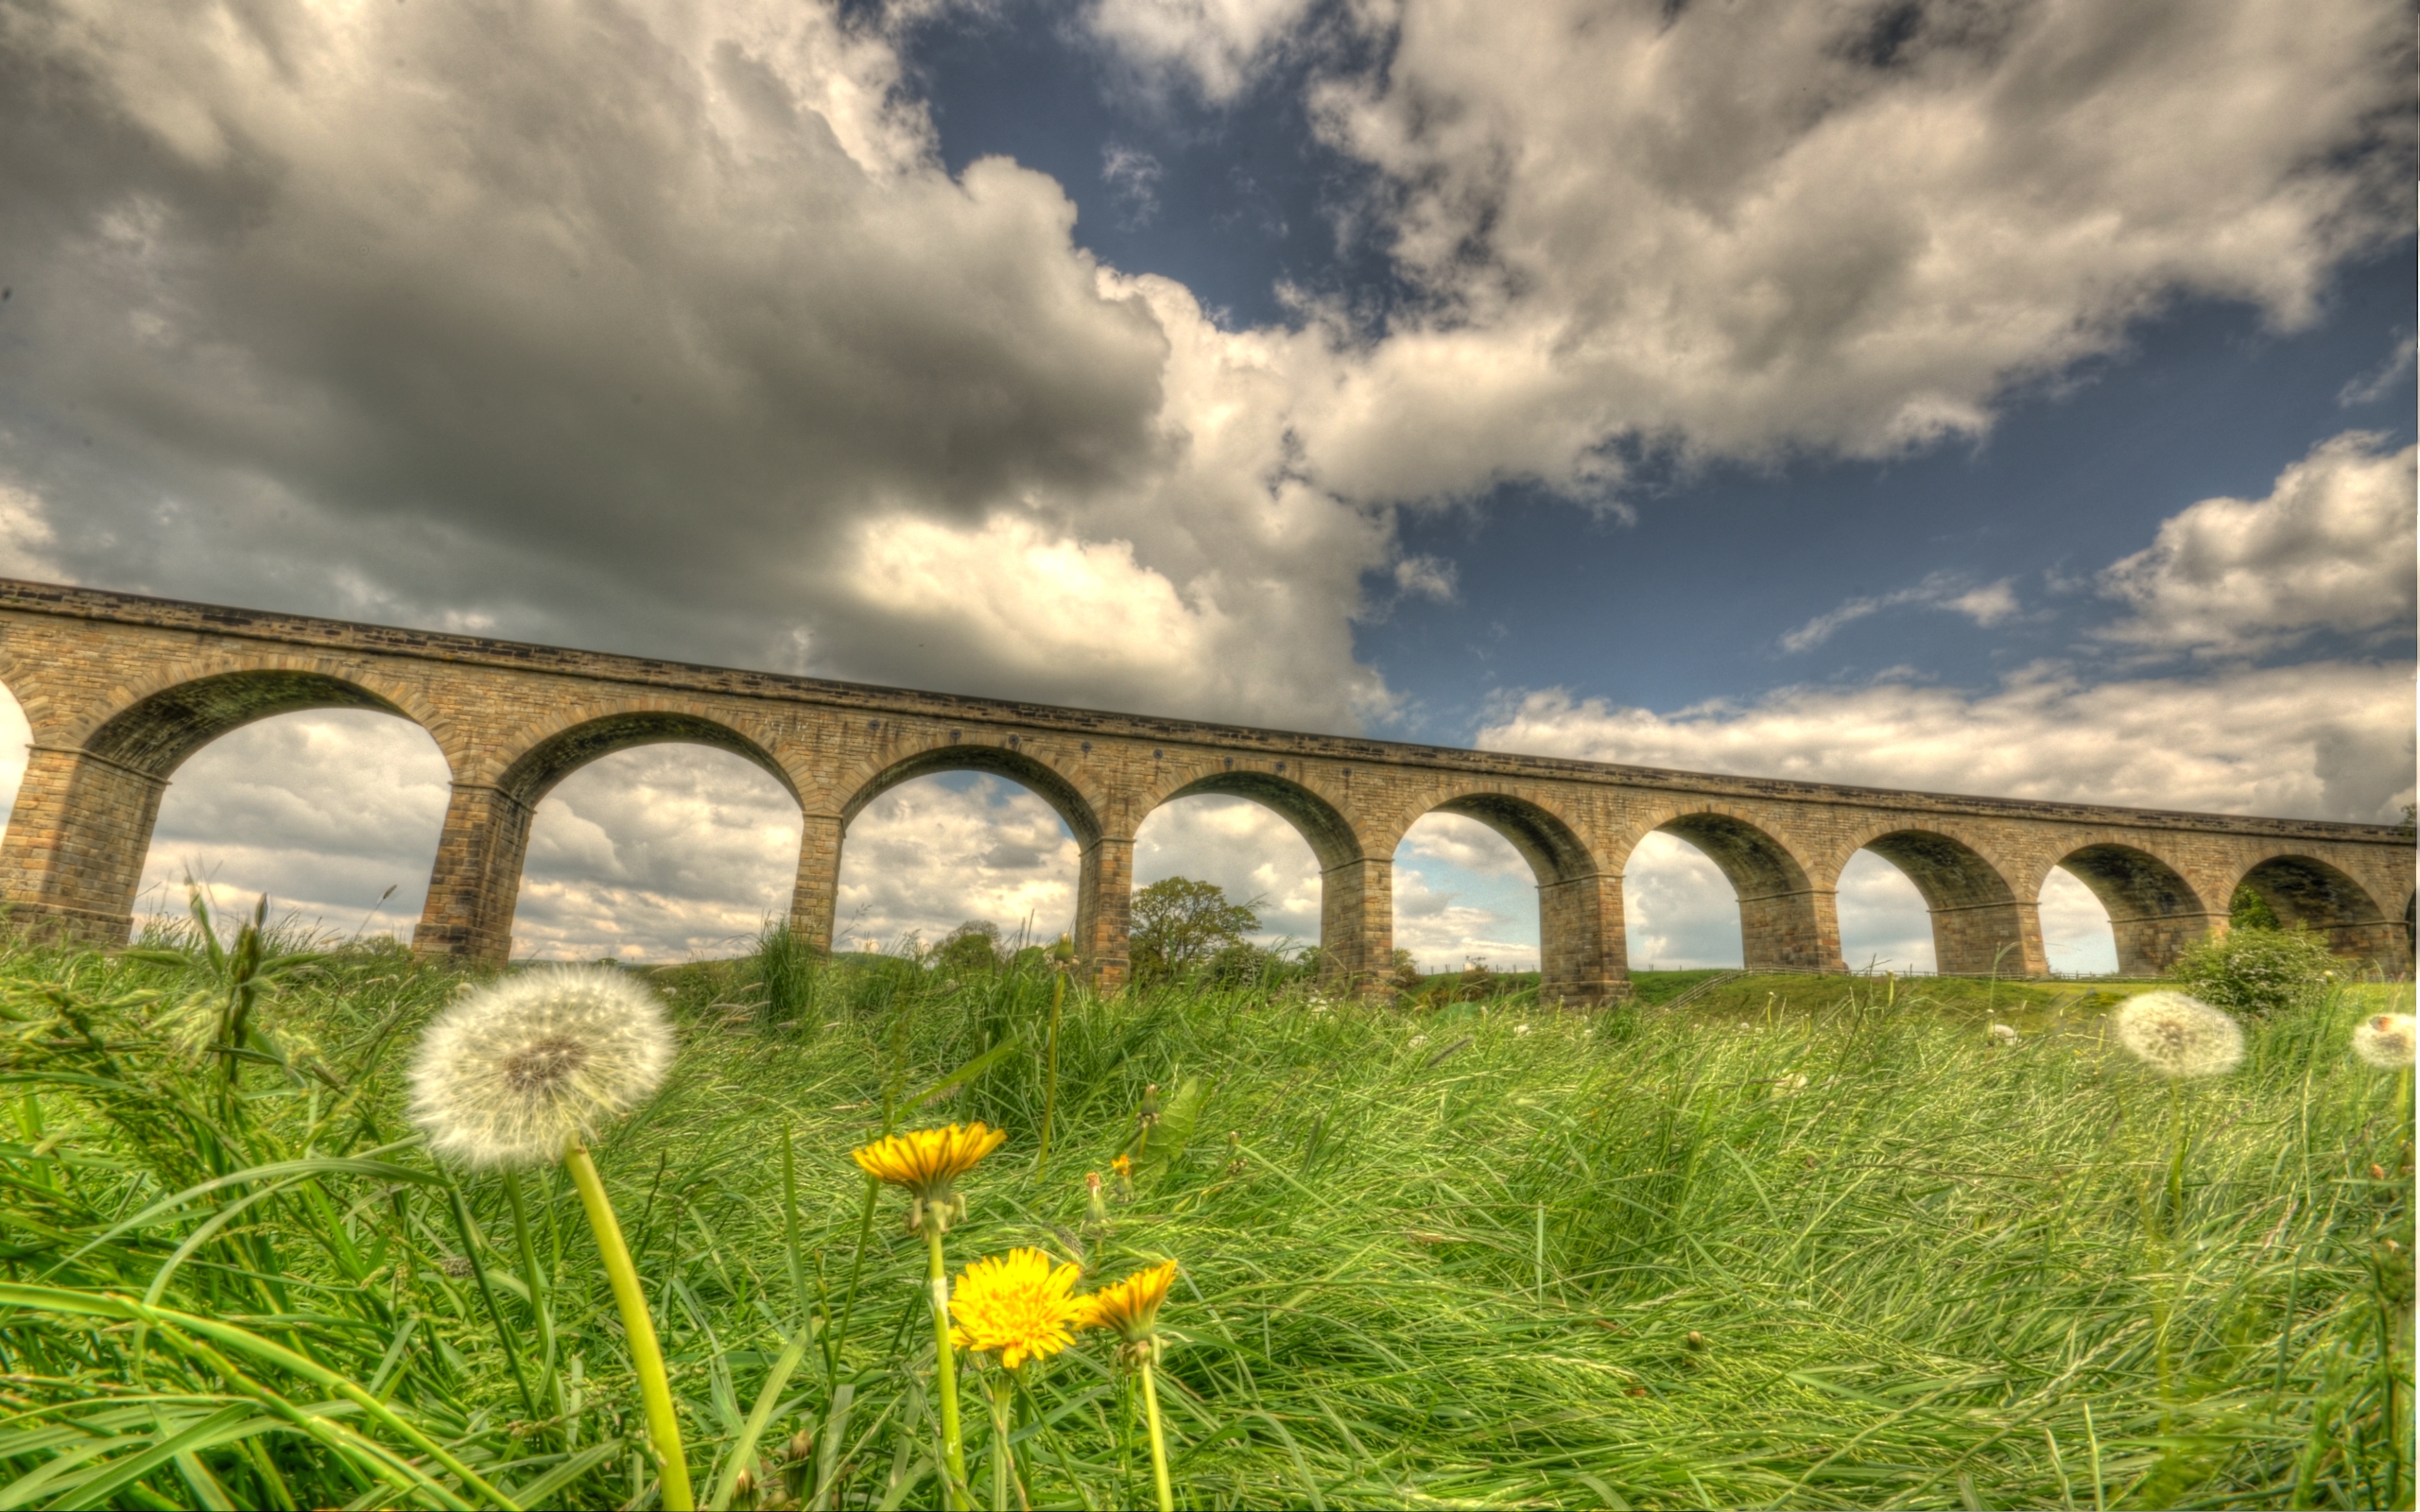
(120, 690)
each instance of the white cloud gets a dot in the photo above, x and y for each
(1247, 849)
(2076, 937)
(1428, 578)
(644, 329)
(2325, 740)
(2330, 549)
(1216, 45)
(661, 327)
(659, 853)
(1748, 231)
(1986, 604)
(2373, 386)
(1884, 924)
(930, 855)
(1444, 931)
(1678, 910)
(24, 535)
(1463, 892)
(1135, 176)
(1466, 845)
(322, 810)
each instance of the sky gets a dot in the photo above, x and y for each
(1997, 396)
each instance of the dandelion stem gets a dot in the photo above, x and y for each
(1000, 1388)
(1159, 1443)
(953, 1447)
(646, 1357)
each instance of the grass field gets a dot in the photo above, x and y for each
(1814, 1244)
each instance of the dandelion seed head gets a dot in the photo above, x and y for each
(1018, 1306)
(1520, 1028)
(2003, 1032)
(2179, 1036)
(512, 1073)
(2385, 1040)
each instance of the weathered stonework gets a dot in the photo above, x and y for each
(120, 690)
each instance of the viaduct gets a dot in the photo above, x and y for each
(120, 690)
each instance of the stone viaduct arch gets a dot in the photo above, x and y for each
(1580, 918)
(477, 882)
(120, 690)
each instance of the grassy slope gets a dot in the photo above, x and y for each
(1473, 1256)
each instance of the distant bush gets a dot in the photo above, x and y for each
(2258, 972)
(2249, 910)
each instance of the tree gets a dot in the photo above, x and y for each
(1181, 923)
(971, 948)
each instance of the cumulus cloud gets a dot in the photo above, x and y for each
(1986, 604)
(1213, 45)
(661, 327)
(930, 855)
(660, 853)
(323, 811)
(2330, 549)
(2325, 740)
(1845, 226)
(25, 536)
(645, 326)
(1252, 854)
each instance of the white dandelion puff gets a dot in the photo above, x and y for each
(1520, 1028)
(2003, 1032)
(512, 1073)
(2385, 1040)
(2178, 1035)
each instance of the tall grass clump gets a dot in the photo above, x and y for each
(1840, 1248)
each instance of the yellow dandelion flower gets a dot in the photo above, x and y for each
(1122, 1166)
(1132, 1306)
(925, 1161)
(1018, 1306)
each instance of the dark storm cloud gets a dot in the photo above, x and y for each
(546, 314)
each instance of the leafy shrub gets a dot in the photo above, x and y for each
(2249, 910)
(2258, 972)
